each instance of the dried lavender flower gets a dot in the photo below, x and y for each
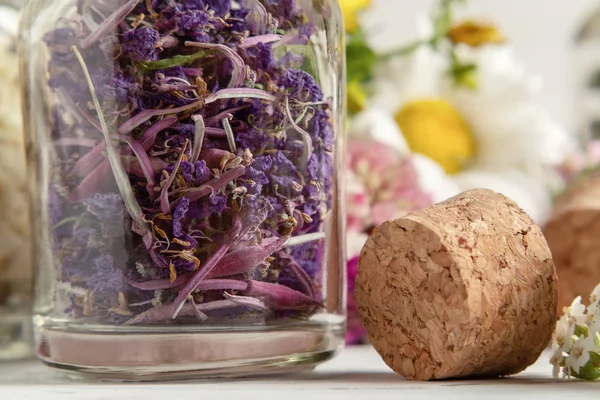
(206, 178)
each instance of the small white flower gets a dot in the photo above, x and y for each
(593, 318)
(557, 359)
(576, 337)
(565, 329)
(595, 298)
(579, 355)
(577, 311)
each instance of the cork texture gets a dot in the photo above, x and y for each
(573, 234)
(466, 288)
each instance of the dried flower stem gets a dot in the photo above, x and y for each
(115, 162)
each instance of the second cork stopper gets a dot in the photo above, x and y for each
(465, 288)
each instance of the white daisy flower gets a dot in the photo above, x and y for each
(496, 136)
(377, 124)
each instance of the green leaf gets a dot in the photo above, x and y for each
(465, 75)
(361, 59)
(175, 61)
(589, 372)
(595, 358)
(582, 331)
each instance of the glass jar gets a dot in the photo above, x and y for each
(15, 250)
(186, 156)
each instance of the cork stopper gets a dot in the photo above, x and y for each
(573, 234)
(465, 288)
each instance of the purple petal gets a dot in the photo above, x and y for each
(247, 301)
(242, 93)
(215, 119)
(110, 23)
(93, 183)
(255, 40)
(160, 284)
(238, 74)
(163, 313)
(199, 131)
(86, 164)
(303, 279)
(168, 42)
(132, 165)
(278, 296)
(149, 135)
(143, 159)
(222, 284)
(215, 132)
(197, 278)
(146, 115)
(164, 193)
(213, 157)
(244, 260)
(197, 193)
(156, 314)
(209, 284)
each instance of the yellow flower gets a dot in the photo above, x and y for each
(357, 97)
(351, 8)
(435, 128)
(476, 34)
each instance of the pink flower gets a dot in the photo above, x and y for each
(391, 185)
(382, 185)
(355, 333)
(581, 161)
(358, 204)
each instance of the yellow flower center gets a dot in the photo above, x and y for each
(435, 128)
(350, 8)
(476, 34)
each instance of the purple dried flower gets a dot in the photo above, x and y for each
(194, 4)
(285, 8)
(220, 7)
(301, 84)
(192, 22)
(141, 43)
(223, 151)
(202, 172)
(106, 278)
(179, 214)
(105, 205)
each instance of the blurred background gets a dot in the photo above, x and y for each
(542, 32)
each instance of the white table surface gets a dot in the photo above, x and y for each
(357, 373)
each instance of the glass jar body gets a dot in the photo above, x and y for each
(186, 156)
(15, 250)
